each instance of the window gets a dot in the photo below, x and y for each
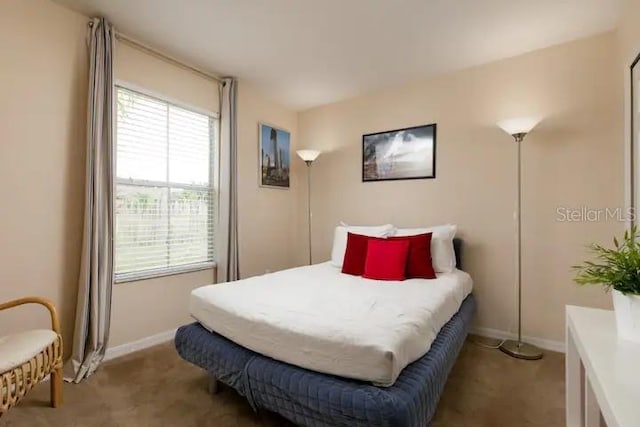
(164, 203)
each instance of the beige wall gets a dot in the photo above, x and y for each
(267, 217)
(152, 74)
(574, 158)
(43, 79)
(629, 32)
(148, 307)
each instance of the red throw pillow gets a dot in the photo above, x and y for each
(355, 255)
(386, 259)
(419, 265)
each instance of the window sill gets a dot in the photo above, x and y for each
(153, 274)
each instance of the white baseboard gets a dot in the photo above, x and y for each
(557, 346)
(123, 349)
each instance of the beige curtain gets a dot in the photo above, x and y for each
(93, 311)
(227, 243)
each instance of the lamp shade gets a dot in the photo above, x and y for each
(308, 155)
(518, 125)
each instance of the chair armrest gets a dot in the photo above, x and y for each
(55, 321)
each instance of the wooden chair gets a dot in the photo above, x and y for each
(26, 358)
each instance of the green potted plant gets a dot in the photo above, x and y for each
(618, 269)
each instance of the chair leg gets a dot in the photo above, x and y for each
(56, 387)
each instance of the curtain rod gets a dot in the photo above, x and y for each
(171, 60)
(167, 58)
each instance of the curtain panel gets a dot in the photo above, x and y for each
(93, 311)
(228, 268)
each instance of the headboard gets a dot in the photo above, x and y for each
(457, 248)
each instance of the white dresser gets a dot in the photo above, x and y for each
(602, 372)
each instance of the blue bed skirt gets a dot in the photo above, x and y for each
(310, 398)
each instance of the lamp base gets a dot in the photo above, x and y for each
(521, 350)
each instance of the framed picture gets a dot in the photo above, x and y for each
(274, 156)
(399, 154)
(634, 165)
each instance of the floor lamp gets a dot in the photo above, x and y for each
(518, 129)
(308, 156)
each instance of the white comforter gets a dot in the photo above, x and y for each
(320, 319)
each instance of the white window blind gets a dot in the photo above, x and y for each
(164, 205)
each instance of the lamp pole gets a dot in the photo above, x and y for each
(519, 349)
(308, 163)
(309, 156)
(519, 137)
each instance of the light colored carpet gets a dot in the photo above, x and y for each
(155, 387)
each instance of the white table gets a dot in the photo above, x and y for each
(602, 372)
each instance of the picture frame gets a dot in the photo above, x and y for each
(274, 154)
(400, 154)
(634, 148)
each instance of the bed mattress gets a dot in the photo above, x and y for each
(317, 318)
(313, 399)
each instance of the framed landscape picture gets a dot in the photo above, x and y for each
(274, 156)
(408, 153)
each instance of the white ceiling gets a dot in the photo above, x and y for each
(306, 53)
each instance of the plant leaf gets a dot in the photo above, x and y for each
(617, 268)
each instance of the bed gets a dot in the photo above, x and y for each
(310, 390)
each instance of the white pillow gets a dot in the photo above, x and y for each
(443, 256)
(340, 238)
